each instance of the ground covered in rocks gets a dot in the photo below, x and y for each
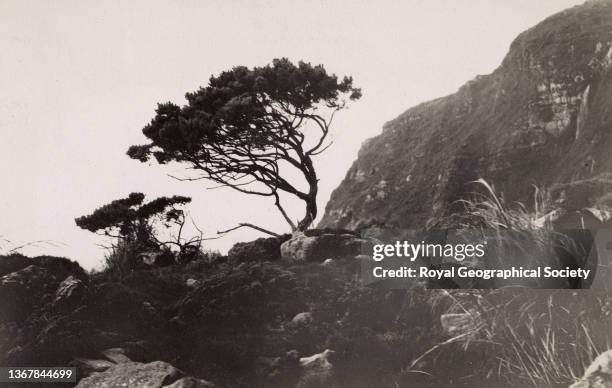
(233, 322)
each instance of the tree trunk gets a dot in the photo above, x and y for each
(311, 214)
(311, 204)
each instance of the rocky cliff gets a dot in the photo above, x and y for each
(543, 117)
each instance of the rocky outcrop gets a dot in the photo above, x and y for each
(598, 374)
(262, 249)
(60, 267)
(155, 374)
(543, 117)
(320, 245)
(70, 293)
(118, 370)
(21, 291)
(27, 283)
(13, 263)
(258, 324)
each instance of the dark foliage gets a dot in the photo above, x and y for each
(131, 220)
(241, 129)
(59, 267)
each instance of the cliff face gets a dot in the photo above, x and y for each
(543, 117)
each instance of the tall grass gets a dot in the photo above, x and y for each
(537, 338)
(120, 259)
(488, 209)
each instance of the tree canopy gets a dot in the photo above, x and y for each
(131, 219)
(247, 124)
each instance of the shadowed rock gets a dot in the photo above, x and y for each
(69, 293)
(22, 290)
(262, 249)
(598, 374)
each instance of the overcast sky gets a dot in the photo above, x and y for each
(79, 79)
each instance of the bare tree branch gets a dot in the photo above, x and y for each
(247, 225)
(283, 212)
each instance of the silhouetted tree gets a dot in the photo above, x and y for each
(247, 124)
(132, 221)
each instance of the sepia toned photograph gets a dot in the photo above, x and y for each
(303, 194)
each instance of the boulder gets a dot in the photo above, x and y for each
(191, 283)
(598, 374)
(317, 246)
(302, 319)
(262, 249)
(134, 375)
(70, 293)
(318, 371)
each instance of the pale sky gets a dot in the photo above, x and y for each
(80, 78)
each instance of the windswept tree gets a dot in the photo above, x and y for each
(247, 125)
(132, 221)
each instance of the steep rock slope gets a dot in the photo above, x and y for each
(543, 117)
